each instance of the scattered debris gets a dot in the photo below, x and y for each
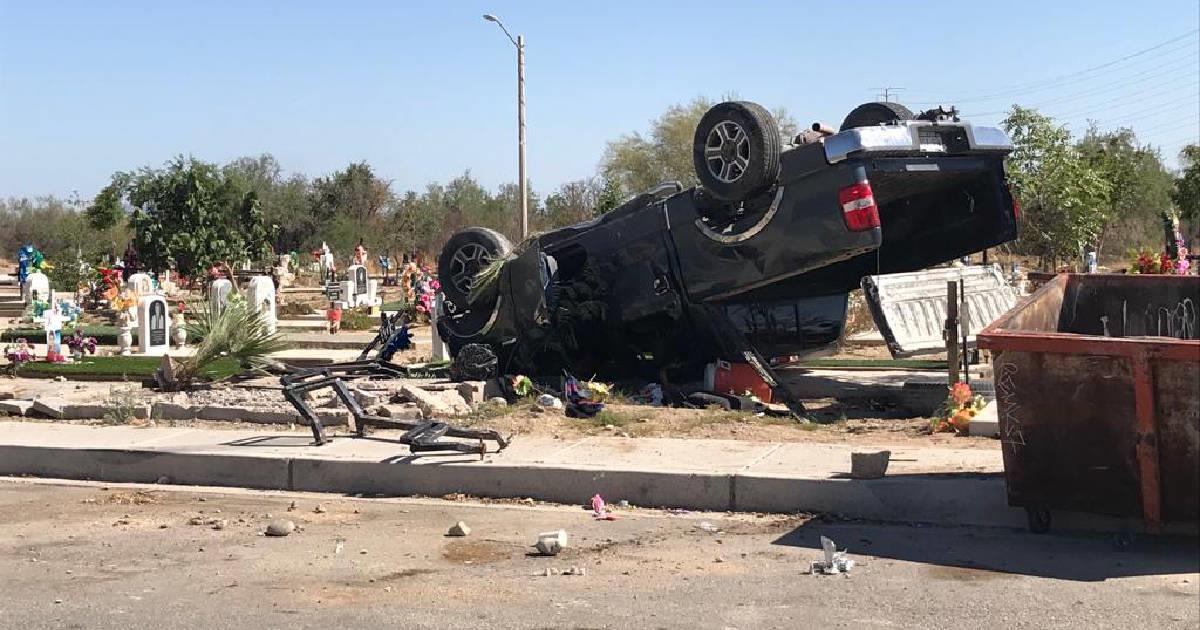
(551, 543)
(292, 506)
(219, 524)
(623, 503)
(338, 546)
(459, 529)
(708, 527)
(835, 561)
(551, 571)
(548, 401)
(163, 480)
(600, 512)
(319, 509)
(498, 401)
(280, 527)
(869, 465)
(195, 520)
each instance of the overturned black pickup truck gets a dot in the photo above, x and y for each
(754, 263)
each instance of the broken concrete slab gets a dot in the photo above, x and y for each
(402, 411)
(173, 411)
(47, 408)
(92, 411)
(269, 415)
(479, 392)
(435, 403)
(15, 407)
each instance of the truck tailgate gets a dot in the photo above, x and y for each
(910, 308)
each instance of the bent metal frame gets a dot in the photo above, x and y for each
(419, 436)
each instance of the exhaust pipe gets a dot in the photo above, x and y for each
(823, 129)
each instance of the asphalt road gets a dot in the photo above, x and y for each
(112, 556)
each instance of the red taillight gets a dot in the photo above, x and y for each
(858, 207)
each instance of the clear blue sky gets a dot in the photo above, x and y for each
(425, 91)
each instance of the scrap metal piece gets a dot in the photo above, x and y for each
(419, 436)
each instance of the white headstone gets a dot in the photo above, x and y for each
(261, 296)
(348, 293)
(36, 287)
(141, 284)
(153, 325)
(218, 294)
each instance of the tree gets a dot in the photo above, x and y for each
(637, 163)
(1140, 188)
(1063, 198)
(1187, 187)
(572, 203)
(107, 210)
(189, 216)
(354, 192)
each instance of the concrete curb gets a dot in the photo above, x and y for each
(950, 500)
(958, 500)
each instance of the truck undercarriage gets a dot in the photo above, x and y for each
(756, 262)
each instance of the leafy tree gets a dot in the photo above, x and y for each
(609, 197)
(1063, 198)
(1140, 188)
(636, 162)
(107, 210)
(572, 203)
(189, 215)
(355, 192)
(1187, 188)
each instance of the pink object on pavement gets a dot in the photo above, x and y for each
(600, 511)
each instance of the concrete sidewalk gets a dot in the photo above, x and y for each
(936, 485)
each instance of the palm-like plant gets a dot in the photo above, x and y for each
(237, 331)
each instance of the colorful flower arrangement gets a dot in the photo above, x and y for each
(80, 344)
(20, 352)
(956, 413)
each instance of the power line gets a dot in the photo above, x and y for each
(885, 93)
(1141, 97)
(1059, 80)
(1093, 92)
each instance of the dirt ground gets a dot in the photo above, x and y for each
(834, 423)
(107, 556)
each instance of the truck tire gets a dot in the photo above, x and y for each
(736, 150)
(872, 114)
(463, 256)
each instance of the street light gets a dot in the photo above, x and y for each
(519, 42)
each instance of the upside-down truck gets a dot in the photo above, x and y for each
(755, 262)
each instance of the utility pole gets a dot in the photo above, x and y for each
(523, 184)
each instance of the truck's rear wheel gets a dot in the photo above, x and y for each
(736, 150)
(871, 114)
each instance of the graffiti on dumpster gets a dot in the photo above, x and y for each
(1006, 393)
(1178, 321)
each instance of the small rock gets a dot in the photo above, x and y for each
(623, 503)
(220, 524)
(60, 379)
(387, 589)
(195, 520)
(58, 601)
(292, 507)
(69, 572)
(280, 527)
(718, 559)
(499, 401)
(362, 552)
(547, 572)
(320, 509)
(459, 529)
